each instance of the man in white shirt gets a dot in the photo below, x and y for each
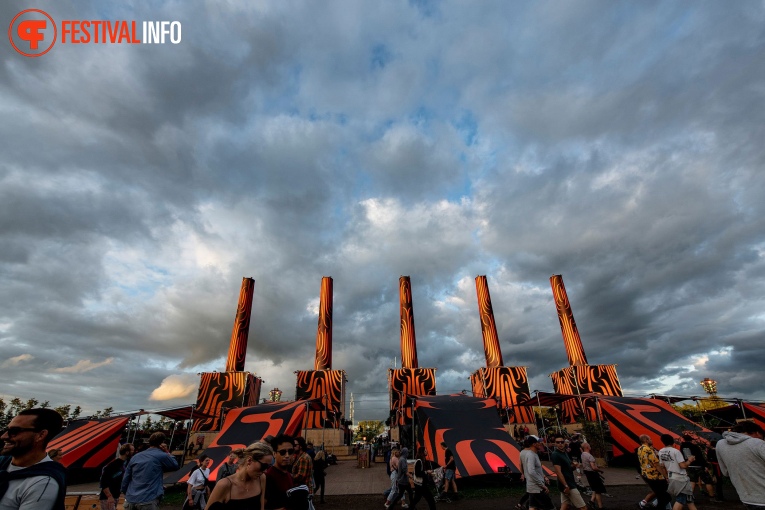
(197, 484)
(680, 487)
(536, 481)
(28, 477)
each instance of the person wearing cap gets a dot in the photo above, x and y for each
(536, 481)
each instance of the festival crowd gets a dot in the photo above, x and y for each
(286, 473)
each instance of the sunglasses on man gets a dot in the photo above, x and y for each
(286, 451)
(15, 431)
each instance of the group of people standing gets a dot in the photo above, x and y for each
(418, 483)
(565, 466)
(278, 473)
(672, 472)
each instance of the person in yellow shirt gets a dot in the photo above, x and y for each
(653, 472)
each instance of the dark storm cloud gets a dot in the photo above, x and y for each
(615, 144)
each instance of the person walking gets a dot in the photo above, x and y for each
(111, 478)
(680, 487)
(245, 489)
(594, 476)
(229, 467)
(654, 474)
(142, 482)
(393, 467)
(537, 492)
(196, 486)
(741, 454)
(421, 481)
(320, 474)
(450, 470)
(279, 475)
(402, 480)
(564, 469)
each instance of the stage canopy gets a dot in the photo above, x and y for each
(628, 418)
(540, 398)
(244, 426)
(472, 429)
(90, 443)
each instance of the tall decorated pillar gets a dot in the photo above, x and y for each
(233, 387)
(323, 360)
(506, 385)
(322, 388)
(571, 339)
(408, 338)
(579, 377)
(410, 379)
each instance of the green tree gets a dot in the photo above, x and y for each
(147, 425)
(63, 410)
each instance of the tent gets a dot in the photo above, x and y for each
(89, 445)
(729, 415)
(472, 429)
(244, 426)
(628, 418)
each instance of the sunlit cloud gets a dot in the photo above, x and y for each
(175, 386)
(82, 366)
(16, 360)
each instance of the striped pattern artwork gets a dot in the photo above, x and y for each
(408, 381)
(323, 360)
(507, 385)
(472, 430)
(237, 350)
(408, 339)
(628, 418)
(326, 388)
(580, 380)
(223, 389)
(242, 427)
(90, 444)
(571, 339)
(488, 327)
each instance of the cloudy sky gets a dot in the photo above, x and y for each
(619, 144)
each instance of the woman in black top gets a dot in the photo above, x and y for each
(245, 488)
(422, 475)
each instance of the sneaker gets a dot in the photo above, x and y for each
(387, 504)
(404, 505)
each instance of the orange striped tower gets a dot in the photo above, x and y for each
(488, 326)
(410, 379)
(505, 384)
(233, 387)
(568, 328)
(579, 377)
(408, 339)
(323, 360)
(237, 350)
(322, 386)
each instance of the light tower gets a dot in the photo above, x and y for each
(710, 386)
